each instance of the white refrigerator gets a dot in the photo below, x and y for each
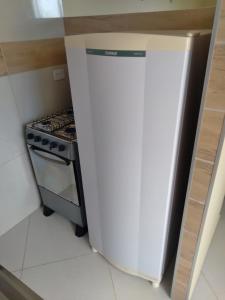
(136, 98)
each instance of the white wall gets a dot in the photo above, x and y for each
(37, 94)
(104, 7)
(19, 22)
(18, 193)
(24, 97)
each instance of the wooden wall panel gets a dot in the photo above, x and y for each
(184, 272)
(221, 31)
(31, 55)
(170, 20)
(188, 246)
(167, 20)
(180, 291)
(2, 64)
(212, 122)
(216, 88)
(200, 181)
(194, 216)
(77, 25)
(210, 129)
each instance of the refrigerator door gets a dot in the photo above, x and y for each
(117, 90)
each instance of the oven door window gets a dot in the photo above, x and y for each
(54, 174)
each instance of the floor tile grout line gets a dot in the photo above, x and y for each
(210, 285)
(110, 274)
(57, 261)
(26, 243)
(14, 271)
(13, 228)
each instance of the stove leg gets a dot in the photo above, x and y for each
(47, 211)
(80, 231)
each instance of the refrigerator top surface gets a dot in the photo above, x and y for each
(179, 40)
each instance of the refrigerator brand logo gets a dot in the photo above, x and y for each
(121, 53)
(113, 53)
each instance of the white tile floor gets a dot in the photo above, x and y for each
(211, 284)
(46, 255)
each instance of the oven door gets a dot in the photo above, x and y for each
(54, 174)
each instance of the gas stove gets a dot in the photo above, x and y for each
(52, 146)
(55, 133)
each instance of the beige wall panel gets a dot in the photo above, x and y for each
(180, 292)
(76, 25)
(221, 32)
(211, 124)
(31, 55)
(188, 246)
(183, 19)
(75, 8)
(200, 181)
(212, 215)
(216, 90)
(194, 216)
(209, 135)
(2, 64)
(184, 271)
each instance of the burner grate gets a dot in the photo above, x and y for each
(54, 122)
(68, 132)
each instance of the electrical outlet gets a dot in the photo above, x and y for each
(58, 74)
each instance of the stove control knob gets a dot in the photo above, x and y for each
(45, 142)
(53, 145)
(30, 136)
(37, 138)
(61, 148)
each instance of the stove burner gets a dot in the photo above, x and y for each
(70, 130)
(45, 122)
(70, 112)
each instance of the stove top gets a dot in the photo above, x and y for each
(61, 125)
(67, 132)
(55, 134)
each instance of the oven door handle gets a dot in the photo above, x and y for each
(59, 160)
